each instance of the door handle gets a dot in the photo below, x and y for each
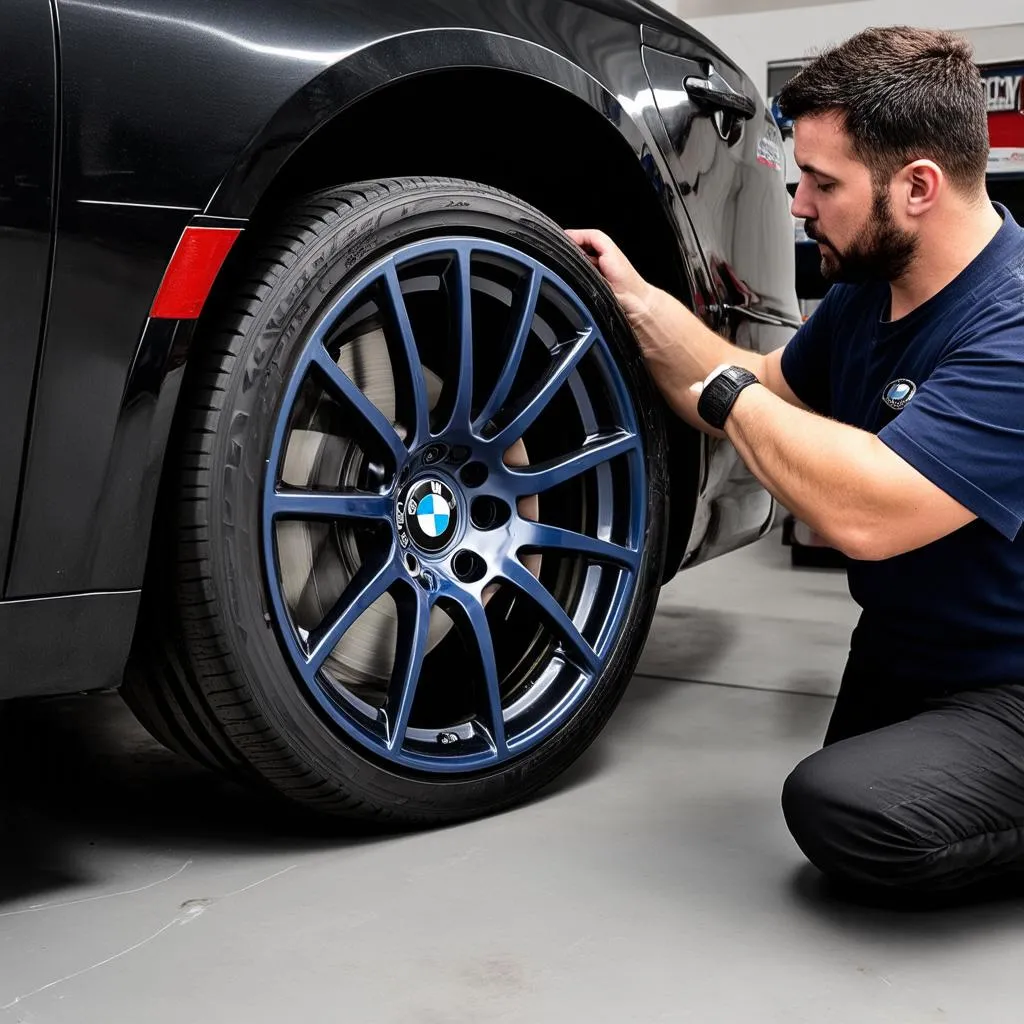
(714, 91)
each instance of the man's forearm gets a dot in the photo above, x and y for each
(845, 483)
(825, 473)
(680, 350)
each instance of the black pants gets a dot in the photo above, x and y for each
(913, 790)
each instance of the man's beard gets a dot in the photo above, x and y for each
(882, 251)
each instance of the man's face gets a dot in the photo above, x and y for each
(844, 212)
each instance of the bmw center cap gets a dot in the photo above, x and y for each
(428, 515)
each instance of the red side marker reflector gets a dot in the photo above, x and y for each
(199, 255)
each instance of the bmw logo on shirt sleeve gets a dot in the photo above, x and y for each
(898, 393)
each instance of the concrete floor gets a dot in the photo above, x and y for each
(654, 882)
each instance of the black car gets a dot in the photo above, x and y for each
(318, 437)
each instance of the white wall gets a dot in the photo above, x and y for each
(753, 38)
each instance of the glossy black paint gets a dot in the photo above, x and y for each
(91, 436)
(729, 174)
(731, 193)
(172, 111)
(55, 645)
(28, 84)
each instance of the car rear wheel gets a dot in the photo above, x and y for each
(415, 525)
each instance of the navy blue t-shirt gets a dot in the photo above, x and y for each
(943, 387)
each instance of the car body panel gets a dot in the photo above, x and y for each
(66, 644)
(27, 164)
(178, 113)
(730, 175)
(90, 456)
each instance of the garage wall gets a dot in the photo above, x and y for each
(759, 31)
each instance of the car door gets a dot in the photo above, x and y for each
(28, 101)
(726, 154)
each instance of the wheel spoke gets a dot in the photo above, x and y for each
(476, 626)
(545, 475)
(463, 356)
(526, 309)
(375, 424)
(531, 587)
(365, 587)
(545, 537)
(413, 605)
(566, 359)
(330, 505)
(410, 385)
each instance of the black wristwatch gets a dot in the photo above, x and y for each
(720, 391)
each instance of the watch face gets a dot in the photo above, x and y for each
(737, 375)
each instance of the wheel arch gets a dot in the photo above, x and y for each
(508, 90)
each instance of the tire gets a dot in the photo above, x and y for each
(223, 668)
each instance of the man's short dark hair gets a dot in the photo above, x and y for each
(904, 94)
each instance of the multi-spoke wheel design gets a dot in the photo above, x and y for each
(418, 526)
(503, 400)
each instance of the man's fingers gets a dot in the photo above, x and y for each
(591, 238)
(583, 240)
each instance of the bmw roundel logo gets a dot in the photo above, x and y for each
(427, 515)
(898, 392)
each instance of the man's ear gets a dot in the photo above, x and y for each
(919, 185)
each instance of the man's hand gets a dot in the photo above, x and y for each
(668, 333)
(677, 346)
(634, 294)
(680, 350)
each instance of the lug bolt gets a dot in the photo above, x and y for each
(487, 513)
(468, 566)
(473, 474)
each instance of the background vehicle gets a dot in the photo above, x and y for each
(311, 415)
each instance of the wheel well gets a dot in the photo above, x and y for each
(529, 138)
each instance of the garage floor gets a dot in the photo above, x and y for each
(655, 882)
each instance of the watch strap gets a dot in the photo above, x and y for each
(720, 393)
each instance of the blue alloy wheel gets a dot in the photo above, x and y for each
(430, 510)
(423, 479)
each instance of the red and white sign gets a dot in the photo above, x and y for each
(1004, 100)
